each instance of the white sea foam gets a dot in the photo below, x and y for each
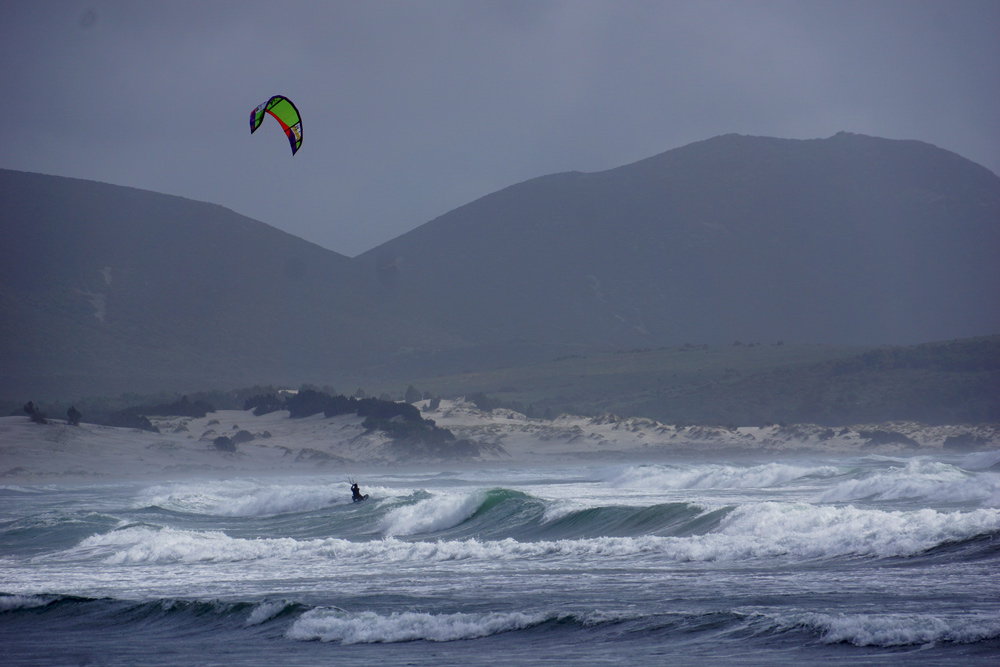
(760, 530)
(896, 629)
(265, 611)
(920, 479)
(439, 512)
(14, 602)
(557, 509)
(139, 544)
(657, 477)
(368, 627)
(771, 529)
(243, 498)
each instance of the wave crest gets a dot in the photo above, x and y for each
(439, 512)
(370, 628)
(886, 630)
(923, 480)
(713, 476)
(243, 498)
(762, 530)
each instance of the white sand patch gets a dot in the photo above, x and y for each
(524, 438)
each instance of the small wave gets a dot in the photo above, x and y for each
(142, 544)
(887, 630)
(243, 498)
(123, 611)
(263, 612)
(370, 628)
(47, 531)
(625, 521)
(923, 480)
(16, 602)
(713, 476)
(982, 460)
(18, 490)
(810, 531)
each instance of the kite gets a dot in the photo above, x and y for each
(283, 111)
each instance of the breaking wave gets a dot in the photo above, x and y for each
(433, 514)
(710, 476)
(919, 480)
(302, 622)
(244, 498)
(890, 630)
(752, 531)
(369, 627)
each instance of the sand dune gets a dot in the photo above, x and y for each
(185, 446)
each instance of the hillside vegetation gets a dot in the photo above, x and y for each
(936, 383)
(953, 382)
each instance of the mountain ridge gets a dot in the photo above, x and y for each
(693, 240)
(134, 287)
(844, 240)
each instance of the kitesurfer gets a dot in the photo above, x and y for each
(356, 493)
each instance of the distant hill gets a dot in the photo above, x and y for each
(851, 240)
(106, 289)
(846, 240)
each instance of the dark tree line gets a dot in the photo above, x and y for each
(400, 421)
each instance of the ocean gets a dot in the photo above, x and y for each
(866, 560)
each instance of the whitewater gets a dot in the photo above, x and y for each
(867, 559)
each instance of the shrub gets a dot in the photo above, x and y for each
(340, 405)
(127, 419)
(181, 408)
(965, 442)
(224, 444)
(482, 401)
(400, 421)
(263, 404)
(242, 436)
(306, 403)
(379, 409)
(35, 413)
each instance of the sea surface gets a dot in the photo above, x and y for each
(871, 560)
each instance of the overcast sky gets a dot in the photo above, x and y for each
(413, 108)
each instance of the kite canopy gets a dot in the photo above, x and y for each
(283, 111)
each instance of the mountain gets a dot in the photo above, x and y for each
(850, 240)
(106, 289)
(845, 240)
